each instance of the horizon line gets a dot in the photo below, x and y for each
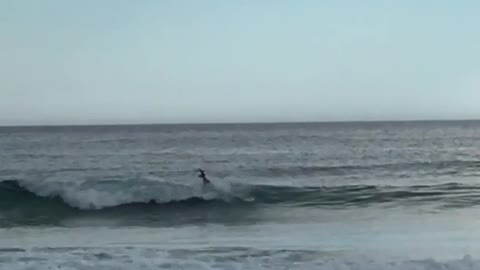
(241, 123)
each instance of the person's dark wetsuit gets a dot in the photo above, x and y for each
(203, 176)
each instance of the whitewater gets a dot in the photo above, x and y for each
(386, 195)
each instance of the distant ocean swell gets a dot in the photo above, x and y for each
(422, 168)
(434, 168)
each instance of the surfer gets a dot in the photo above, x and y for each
(203, 176)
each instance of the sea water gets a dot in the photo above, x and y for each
(386, 195)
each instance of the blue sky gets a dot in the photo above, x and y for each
(119, 61)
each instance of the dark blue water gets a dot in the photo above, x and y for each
(307, 196)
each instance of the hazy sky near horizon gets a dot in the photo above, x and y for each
(166, 61)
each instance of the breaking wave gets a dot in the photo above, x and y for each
(91, 195)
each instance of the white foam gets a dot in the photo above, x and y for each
(98, 194)
(152, 258)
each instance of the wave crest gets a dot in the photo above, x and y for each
(90, 195)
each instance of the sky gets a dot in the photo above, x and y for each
(190, 61)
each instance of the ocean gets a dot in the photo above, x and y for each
(359, 196)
